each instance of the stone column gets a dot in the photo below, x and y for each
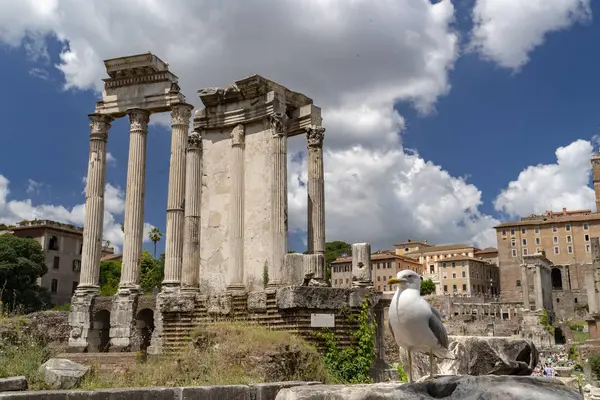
(180, 121)
(593, 277)
(539, 291)
(80, 317)
(278, 125)
(525, 287)
(316, 191)
(123, 333)
(94, 203)
(134, 200)
(235, 279)
(193, 198)
(361, 264)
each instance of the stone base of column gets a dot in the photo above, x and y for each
(80, 319)
(170, 301)
(124, 336)
(236, 288)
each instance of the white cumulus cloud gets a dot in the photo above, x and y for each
(507, 31)
(356, 59)
(552, 186)
(13, 211)
(110, 159)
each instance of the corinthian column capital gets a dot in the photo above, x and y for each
(315, 135)
(238, 135)
(278, 124)
(181, 113)
(194, 141)
(139, 119)
(100, 124)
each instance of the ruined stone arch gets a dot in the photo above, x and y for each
(556, 275)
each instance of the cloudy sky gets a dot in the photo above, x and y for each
(443, 118)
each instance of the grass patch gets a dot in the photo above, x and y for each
(225, 353)
(21, 353)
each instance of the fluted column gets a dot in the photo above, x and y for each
(193, 198)
(278, 126)
(180, 121)
(235, 281)
(134, 199)
(94, 202)
(316, 191)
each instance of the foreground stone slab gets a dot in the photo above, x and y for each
(481, 355)
(13, 384)
(61, 373)
(263, 391)
(448, 387)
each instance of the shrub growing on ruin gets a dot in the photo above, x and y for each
(352, 364)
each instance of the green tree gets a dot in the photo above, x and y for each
(22, 262)
(334, 250)
(427, 287)
(110, 275)
(155, 235)
(151, 272)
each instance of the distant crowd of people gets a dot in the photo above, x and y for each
(548, 361)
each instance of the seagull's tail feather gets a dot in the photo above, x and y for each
(443, 353)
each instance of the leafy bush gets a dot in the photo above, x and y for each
(401, 373)
(427, 287)
(352, 364)
(595, 365)
(545, 322)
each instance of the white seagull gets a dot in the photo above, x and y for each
(414, 323)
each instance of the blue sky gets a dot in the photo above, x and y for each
(491, 124)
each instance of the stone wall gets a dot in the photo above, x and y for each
(262, 391)
(570, 304)
(290, 309)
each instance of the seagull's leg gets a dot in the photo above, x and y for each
(431, 364)
(410, 376)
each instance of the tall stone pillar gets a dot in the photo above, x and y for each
(525, 287)
(123, 335)
(94, 203)
(593, 277)
(235, 279)
(278, 125)
(180, 121)
(361, 265)
(539, 288)
(134, 199)
(80, 318)
(193, 198)
(316, 191)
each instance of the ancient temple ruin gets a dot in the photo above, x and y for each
(227, 225)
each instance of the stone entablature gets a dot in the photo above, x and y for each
(254, 99)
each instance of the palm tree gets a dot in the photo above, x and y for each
(122, 226)
(155, 234)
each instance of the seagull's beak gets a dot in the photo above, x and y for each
(395, 281)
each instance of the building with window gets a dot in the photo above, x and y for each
(563, 236)
(62, 245)
(384, 266)
(432, 257)
(468, 276)
(410, 246)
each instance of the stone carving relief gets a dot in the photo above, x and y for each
(195, 141)
(238, 135)
(278, 124)
(314, 136)
(180, 114)
(139, 120)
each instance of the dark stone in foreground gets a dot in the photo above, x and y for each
(13, 384)
(492, 387)
(263, 391)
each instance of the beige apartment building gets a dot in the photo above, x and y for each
(410, 245)
(468, 276)
(564, 237)
(385, 265)
(62, 245)
(440, 263)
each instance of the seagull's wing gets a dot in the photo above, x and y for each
(437, 327)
